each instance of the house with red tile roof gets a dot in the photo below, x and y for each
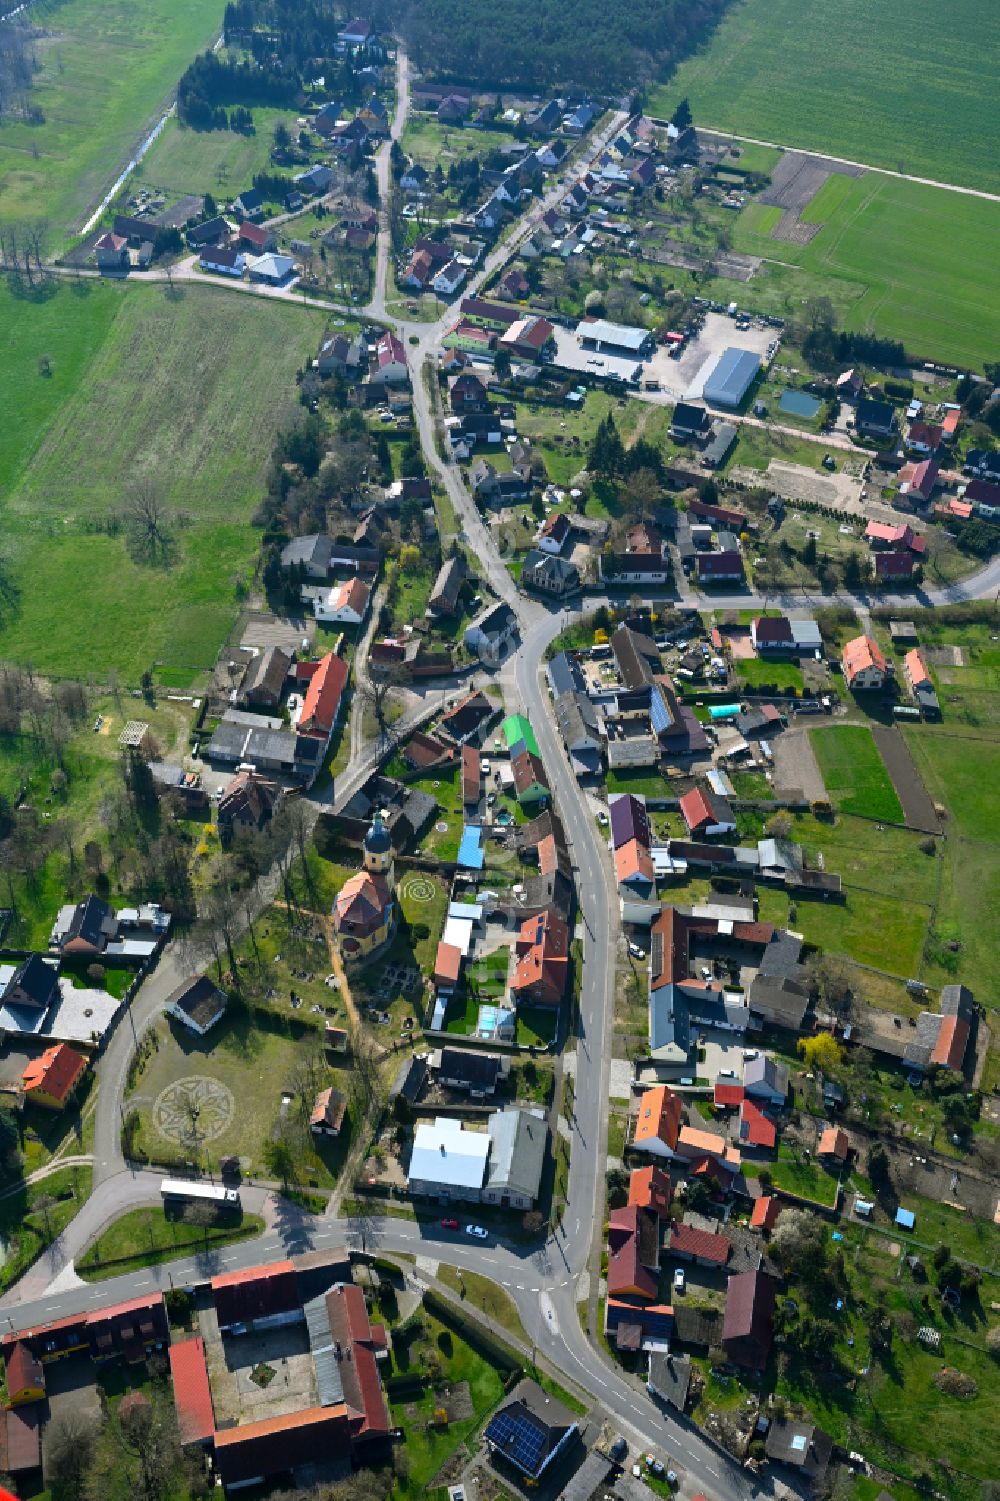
(251, 1453)
(633, 1253)
(192, 1391)
(257, 1292)
(390, 367)
(921, 481)
(771, 633)
(902, 538)
(542, 960)
(701, 1247)
(833, 1145)
(345, 604)
(327, 1118)
(472, 775)
(529, 337)
(863, 663)
(915, 670)
(650, 1188)
(764, 1215)
(748, 1323)
(634, 867)
(942, 1037)
(323, 698)
(706, 813)
(53, 1078)
(447, 966)
(892, 567)
(554, 533)
(658, 1122)
(695, 1145)
(728, 1096)
(756, 1130)
(25, 1376)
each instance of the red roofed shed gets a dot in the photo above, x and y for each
(192, 1393)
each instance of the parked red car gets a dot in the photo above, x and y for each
(449, 1224)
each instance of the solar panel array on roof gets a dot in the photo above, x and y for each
(659, 713)
(522, 1440)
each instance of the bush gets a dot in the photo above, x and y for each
(955, 1383)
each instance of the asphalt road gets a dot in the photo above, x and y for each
(539, 1281)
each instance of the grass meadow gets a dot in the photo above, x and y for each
(220, 162)
(144, 384)
(853, 772)
(865, 79)
(900, 258)
(106, 68)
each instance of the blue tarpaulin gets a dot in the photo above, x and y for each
(470, 852)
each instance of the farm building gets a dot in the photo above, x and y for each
(732, 377)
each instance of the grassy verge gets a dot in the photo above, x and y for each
(486, 1296)
(146, 1237)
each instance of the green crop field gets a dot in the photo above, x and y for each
(904, 260)
(220, 162)
(852, 770)
(146, 385)
(879, 81)
(106, 68)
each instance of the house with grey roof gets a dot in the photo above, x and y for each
(518, 1141)
(766, 1079)
(564, 675)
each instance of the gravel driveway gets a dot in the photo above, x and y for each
(795, 768)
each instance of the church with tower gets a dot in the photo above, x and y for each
(365, 912)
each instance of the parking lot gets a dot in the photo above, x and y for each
(674, 377)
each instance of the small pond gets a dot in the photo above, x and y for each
(799, 403)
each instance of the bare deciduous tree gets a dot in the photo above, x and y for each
(148, 524)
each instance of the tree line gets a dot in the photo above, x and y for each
(607, 47)
(277, 48)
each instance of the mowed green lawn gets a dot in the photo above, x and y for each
(892, 82)
(106, 68)
(187, 390)
(902, 259)
(852, 769)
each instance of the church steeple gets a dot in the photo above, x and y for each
(378, 847)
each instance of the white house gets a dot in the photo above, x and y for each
(390, 362)
(197, 1004)
(553, 533)
(345, 604)
(449, 279)
(223, 261)
(492, 632)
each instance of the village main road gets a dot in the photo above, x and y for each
(539, 1281)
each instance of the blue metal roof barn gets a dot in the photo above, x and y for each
(732, 377)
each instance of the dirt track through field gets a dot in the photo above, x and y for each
(918, 810)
